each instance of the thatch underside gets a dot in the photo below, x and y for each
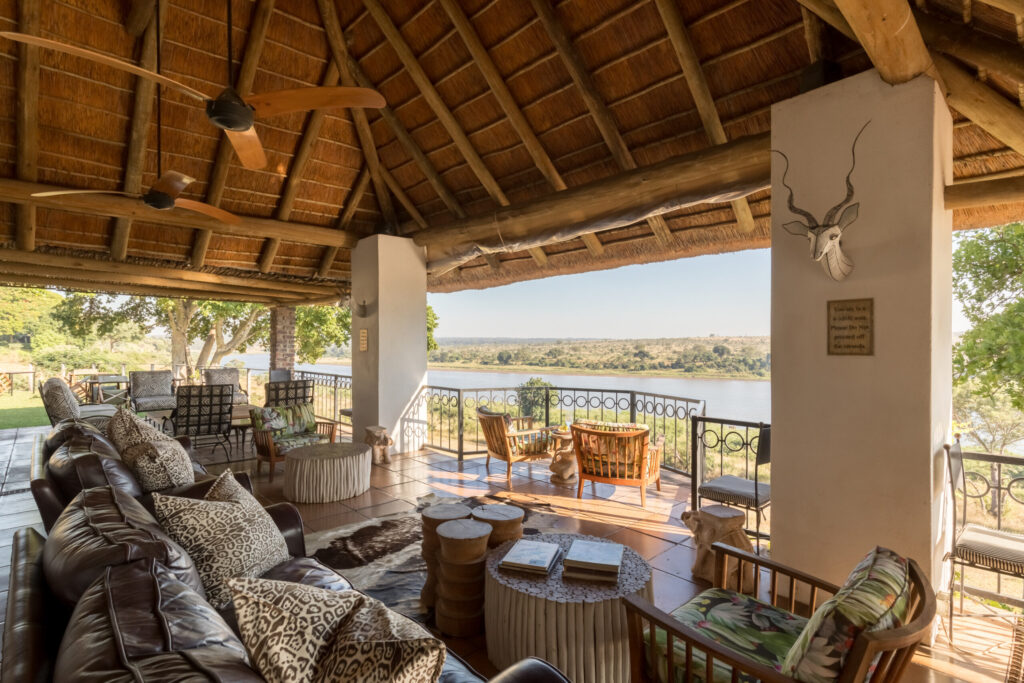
(752, 53)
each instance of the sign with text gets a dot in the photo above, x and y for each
(851, 327)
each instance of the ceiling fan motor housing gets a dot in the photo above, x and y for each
(229, 111)
(158, 199)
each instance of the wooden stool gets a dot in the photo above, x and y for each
(506, 522)
(459, 591)
(719, 524)
(433, 517)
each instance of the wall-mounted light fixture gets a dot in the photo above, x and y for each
(361, 309)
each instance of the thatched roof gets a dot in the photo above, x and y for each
(752, 53)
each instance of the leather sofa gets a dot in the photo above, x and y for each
(108, 596)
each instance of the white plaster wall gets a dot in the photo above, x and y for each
(857, 456)
(390, 275)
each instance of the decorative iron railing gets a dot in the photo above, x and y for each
(447, 416)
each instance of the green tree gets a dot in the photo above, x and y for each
(25, 312)
(504, 357)
(320, 327)
(721, 350)
(432, 322)
(988, 280)
(531, 397)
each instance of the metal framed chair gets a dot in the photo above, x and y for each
(280, 376)
(204, 412)
(151, 390)
(289, 393)
(227, 376)
(727, 489)
(977, 546)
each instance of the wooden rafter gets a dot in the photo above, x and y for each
(1011, 6)
(890, 35)
(814, 36)
(27, 163)
(128, 269)
(243, 84)
(403, 199)
(701, 92)
(482, 60)
(20, 192)
(351, 204)
(139, 16)
(595, 105)
(969, 195)
(294, 178)
(142, 113)
(82, 285)
(716, 174)
(440, 109)
(971, 46)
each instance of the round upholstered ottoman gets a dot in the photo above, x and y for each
(326, 472)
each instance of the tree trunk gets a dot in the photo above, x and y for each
(241, 336)
(178, 321)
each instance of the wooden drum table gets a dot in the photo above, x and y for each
(577, 625)
(326, 472)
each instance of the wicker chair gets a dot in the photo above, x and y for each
(619, 454)
(693, 653)
(522, 442)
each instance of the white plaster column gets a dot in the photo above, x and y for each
(857, 457)
(389, 275)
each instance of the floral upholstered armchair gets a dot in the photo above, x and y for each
(279, 429)
(795, 627)
(513, 439)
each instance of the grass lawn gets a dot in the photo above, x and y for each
(23, 409)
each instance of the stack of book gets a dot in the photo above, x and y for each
(593, 561)
(534, 557)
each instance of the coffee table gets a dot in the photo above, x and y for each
(577, 625)
(326, 472)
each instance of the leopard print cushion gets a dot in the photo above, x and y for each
(227, 489)
(299, 633)
(126, 429)
(226, 539)
(159, 464)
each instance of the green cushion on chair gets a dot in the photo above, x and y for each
(741, 623)
(287, 443)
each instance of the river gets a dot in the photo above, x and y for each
(737, 399)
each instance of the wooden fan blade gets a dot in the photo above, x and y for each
(306, 99)
(103, 59)
(212, 211)
(248, 148)
(58, 193)
(172, 183)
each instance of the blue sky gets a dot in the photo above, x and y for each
(722, 294)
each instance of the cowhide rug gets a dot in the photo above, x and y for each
(382, 557)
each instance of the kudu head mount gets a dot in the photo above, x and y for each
(825, 237)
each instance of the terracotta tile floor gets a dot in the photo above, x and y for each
(608, 511)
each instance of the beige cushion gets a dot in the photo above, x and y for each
(298, 633)
(228, 534)
(159, 464)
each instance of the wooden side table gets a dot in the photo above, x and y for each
(506, 522)
(326, 472)
(433, 517)
(579, 626)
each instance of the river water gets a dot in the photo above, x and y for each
(737, 399)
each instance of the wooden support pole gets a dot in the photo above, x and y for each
(718, 174)
(595, 105)
(138, 137)
(243, 84)
(20, 192)
(813, 35)
(27, 125)
(701, 92)
(890, 35)
(351, 204)
(140, 13)
(57, 261)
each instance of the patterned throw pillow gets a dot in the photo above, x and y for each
(876, 596)
(60, 401)
(159, 464)
(303, 418)
(298, 633)
(227, 489)
(225, 538)
(126, 429)
(273, 418)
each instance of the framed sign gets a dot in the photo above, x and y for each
(851, 327)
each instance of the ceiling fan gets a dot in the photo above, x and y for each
(163, 195)
(230, 111)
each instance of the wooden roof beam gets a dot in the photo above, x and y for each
(140, 14)
(482, 60)
(440, 109)
(27, 126)
(243, 84)
(69, 282)
(294, 178)
(20, 192)
(351, 204)
(213, 280)
(814, 35)
(890, 35)
(980, 193)
(598, 109)
(701, 92)
(1011, 6)
(138, 137)
(717, 174)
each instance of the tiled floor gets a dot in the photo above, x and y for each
(607, 511)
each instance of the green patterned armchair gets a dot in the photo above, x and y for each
(279, 429)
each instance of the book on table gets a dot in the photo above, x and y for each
(531, 556)
(593, 557)
(589, 574)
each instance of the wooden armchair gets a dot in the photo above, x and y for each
(514, 439)
(618, 454)
(272, 444)
(660, 642)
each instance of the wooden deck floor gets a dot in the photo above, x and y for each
(983, 645)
